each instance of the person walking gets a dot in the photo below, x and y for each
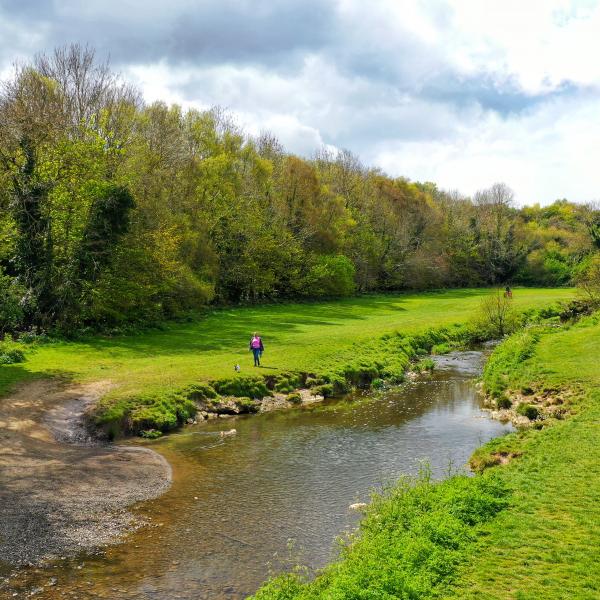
(257, 348)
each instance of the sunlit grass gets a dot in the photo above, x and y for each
(296, 336)
(548, 544)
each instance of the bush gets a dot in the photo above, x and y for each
(529, 411)
(201, 391)
(11, 352)
(11, 311)
(295, 398)
(331, 276)
(151, 434)
(313, 381)
(443, 348)
(339, 382)
(497, 316)
(503, 402)
(326, 390)
(242, 386)
(377, 383)
(425, 365)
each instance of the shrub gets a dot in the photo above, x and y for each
(425, 365)
(201, 391)
(151, 434)
(326, 390)
(339, 382)
(503, 402)
(497, 316)
(295, 398)
(242, 386)
(11, 352)
(11, 311)
(377, 383)
(529, 411)
(443, 348)
(313, 381)
(331, 276)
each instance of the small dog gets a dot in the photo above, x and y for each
(227, 433)
(237, 368)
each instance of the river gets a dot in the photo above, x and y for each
(278, 492)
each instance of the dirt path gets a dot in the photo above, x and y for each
(60, 492)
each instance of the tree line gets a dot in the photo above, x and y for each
(113, 210)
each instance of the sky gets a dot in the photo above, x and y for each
(464, 93)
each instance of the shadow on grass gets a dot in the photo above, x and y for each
(231, 328)
(13, 375)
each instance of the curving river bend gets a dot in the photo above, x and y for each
(278, 491)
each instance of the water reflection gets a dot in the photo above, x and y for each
(237, 501)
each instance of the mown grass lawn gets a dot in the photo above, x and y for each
(296, 337)
(547, 545)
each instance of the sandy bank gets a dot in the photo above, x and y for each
(61, 493)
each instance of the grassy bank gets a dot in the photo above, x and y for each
(323, 338)
(528, 529)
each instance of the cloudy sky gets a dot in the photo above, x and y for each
(461, 92)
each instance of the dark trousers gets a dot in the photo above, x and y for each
(256, 352)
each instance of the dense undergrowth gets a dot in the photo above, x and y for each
(524, 530)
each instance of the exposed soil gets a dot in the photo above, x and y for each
(61, 492)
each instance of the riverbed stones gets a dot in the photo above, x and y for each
(97, 482)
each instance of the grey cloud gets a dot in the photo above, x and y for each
(379, 87)
(266, 32)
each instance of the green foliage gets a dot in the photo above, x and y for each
(503, 402)
(201, 391)
(377, 383)
(331, 276)
(11, 352)
(11, 310)
(325, 390)
(107, 222)
(251, 387)
(143, 212)
(410, 543)
(294, 398)
(425, 364)
(151, 434)
(529, 411)
(443, 348)
(164, 412)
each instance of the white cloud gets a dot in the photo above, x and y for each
(462, 92)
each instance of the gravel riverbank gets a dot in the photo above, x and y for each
(62, 493)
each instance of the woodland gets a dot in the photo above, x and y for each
(114, 211)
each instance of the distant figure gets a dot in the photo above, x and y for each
(257, 348)
(237, 368)
(508, 292)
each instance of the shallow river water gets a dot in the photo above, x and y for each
(279, 491)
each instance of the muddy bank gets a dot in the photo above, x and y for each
(61, 493)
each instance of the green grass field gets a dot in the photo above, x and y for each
(529, 530)
(297, 337)
(547, 545)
